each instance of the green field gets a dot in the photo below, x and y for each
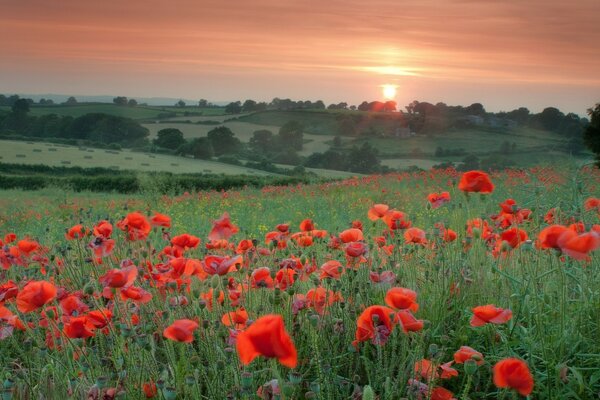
(348, 332)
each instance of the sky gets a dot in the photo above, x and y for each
(501, 53)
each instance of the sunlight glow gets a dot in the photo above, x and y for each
(389, 91)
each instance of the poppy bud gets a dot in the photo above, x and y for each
(310, 395)
(214, 281)
(170, 393)
(160, 384)
(314, 320)
(205, 323)
(6, 394)
(433, 350)
(246, 380)
(288, 389)
(8, 383)
(88, 289)
(190, 380)
(476, 233)
(101, 382)
(202, 304)
(368, 393)
(471, 366)
(122, 375)
(315, 387)
(172, 285)
(295, 378)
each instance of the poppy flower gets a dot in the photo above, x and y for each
(438, 199)
(136, 294)
(440, 393)
(150, 390)
(395, 220)
(431, 371)
(72, 304)
(356, 249)
(307, 225)
(220, 265)
(159, 219)
(408, 322)
(514, 237)
(185, 241)
(34, 295)
(578, 246)
(267, 337)
(548, 237)
(222, 228)
(385, 277)
(283, 228)
(8, 291)
(304, 240)
(378, 211)
(320, 298)
(76, 232)
(9, 238)
(103, 229)
(27, 246)
(284, 278)
(136, 226)
(375, 323)
(99, 318)
(402, 299)
(448, 235)
(237, 318)
(244, 246)
(79, 328)
(331, 269)
(116, 278)
(261, 277)
(415, 236)
(592, 203)
(181, 330)
(514, 374)
(476, 181)
(490, 314)
(351, 235)
(467, 353)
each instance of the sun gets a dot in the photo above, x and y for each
(389, 91)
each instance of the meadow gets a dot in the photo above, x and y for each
(363, 288)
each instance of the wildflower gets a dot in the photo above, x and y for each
(34, 295)
(267, 337)
(490, 314)
(513, 373)
(181, 330)
(476, 181)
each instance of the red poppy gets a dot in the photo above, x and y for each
(307, 225)
(181, 330)
(440, 393)
(185, 241)
(592, 203)
(490, 314)
(76, 232)
(116, 278)
(513, 373)
(136, 294)
(237, 318)
(378, 211)
(375, 323)
(244, 246)
(159, 219)
(79, 328)
(578, 246)
(415, 236)
(34, 295)
(402, 299)
(514, 237)
(331, 269)
(384, 277)
(220, 265)
(304, 240)
(395, 219)
(548, 237)
(320, 298)
(283, 228)
(104, 229)
(438, 199)
(467, 353)
(476, 181)
(351, 235)
(136, 225)
(267, 337)
(27, 246)
(261, 277)
(223, 228)
(99, 318)
(8, 291)
(356, 249)
(149, 389)
(408, 322)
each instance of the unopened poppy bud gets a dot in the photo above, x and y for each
(368, 393)
(505, 246)
(8, 383)
(88, 289)
(314, 319)
(476, 233)
(126, 332)
(7, 394)
(196, 293)
(50, 314)
(433, 350)
(160, 383)
(170, 393)
(287, 390)
(122, 374)
(190, 380)
(295, 378)
(101, 382)
(246, 380)
(315, 387)
(470, 366)
(202, 304)
(310, 395)
(214, 281)
(205, 323)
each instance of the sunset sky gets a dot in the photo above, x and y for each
(502, 53)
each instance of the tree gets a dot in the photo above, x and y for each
(169, 138)
(71, 101)
(363, 159)
(551, 117)
(203, 103)
(198, 148)
(132, 103)
(235, 107)
(290, 135)
(591, 136)
(262, 141)
(120, 100)
(249, 105)
(21, 107)
(223, 141)
(180, 103)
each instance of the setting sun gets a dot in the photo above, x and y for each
(389, 91)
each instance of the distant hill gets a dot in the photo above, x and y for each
(151, 101)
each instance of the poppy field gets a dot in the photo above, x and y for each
(425, 285)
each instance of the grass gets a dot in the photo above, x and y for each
(63, 155)
(555, 301)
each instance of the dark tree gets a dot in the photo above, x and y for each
(223, 141)
(262, 141)
(249, 105)
(71, 101)
(363, 159)
(476, 109)
(180, 103)
(551, 118)
(132, 103)
(235, 107)
(20, 106)
(120, 100)
(203, 103)
(169, 138)
(290, 135)
(591, 136)
(198, 148)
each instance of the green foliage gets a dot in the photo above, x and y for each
(169, 138)
(223, 141)
(291, 135)
(592, 133)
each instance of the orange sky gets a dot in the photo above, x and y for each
(501, 53)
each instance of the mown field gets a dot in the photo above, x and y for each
(112, 296)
